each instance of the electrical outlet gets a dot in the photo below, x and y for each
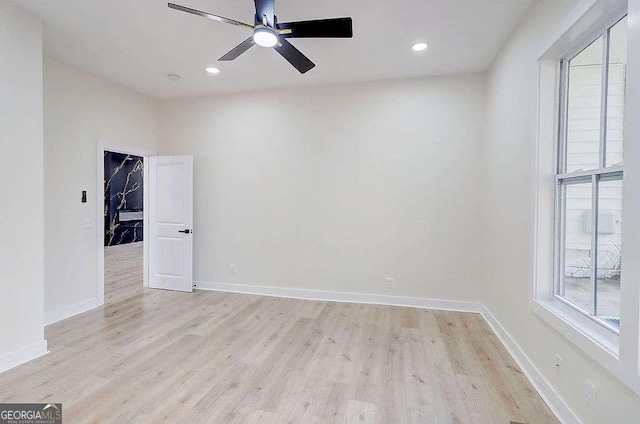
(391, 283)
(233, 269)
(591, 394)
(559, 362)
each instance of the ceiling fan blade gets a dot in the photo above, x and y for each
(294, 56)
(209, 16)
(265, 7)
(241, 48)
(324, 28)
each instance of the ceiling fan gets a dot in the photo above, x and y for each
(267, 32)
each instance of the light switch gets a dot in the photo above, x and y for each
(88, 223)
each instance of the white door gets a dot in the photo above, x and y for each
(171, 223)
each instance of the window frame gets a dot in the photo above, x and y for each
(618, 354)
(592, 176)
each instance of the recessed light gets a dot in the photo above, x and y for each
(173, 77)
(213, 70)
(419, 47)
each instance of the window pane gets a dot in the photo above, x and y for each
(616, 93)
(584, 106)
(577, 244)
(609, 250)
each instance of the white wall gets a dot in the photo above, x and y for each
(21, 186)
(81, 109)
(509, 207)
(336, 188)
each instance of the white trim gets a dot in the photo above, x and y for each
(69, 311)
(557, 405)
(101, 147)
(343, 297)
(23, 355)
(630, 310)
(618, 169)
(563, 28)
(145, 226)
(587, 337)
(579, 27)
(551, 397)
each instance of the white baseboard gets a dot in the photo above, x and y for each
(559, 407)
(22, 355)
(343, 297)
(63, 313)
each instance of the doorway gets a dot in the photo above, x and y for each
(121, 207)
(137, 242)
(123, 226)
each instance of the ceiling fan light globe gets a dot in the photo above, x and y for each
(265, 37)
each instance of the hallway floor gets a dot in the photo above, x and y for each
(123, 272)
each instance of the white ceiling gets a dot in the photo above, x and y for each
(137, 43)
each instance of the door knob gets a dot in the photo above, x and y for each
(185, 231)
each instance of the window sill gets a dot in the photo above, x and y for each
(596, 341)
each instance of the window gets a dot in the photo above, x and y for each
(589, 177)
(586, 282)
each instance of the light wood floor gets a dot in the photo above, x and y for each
(159, 356)
(123, 271)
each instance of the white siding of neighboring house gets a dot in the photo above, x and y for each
(582, 153)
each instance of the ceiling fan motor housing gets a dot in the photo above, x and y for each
(259, 20)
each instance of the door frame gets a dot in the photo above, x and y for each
(105, 146)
